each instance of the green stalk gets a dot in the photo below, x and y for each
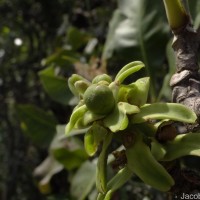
(176, 14)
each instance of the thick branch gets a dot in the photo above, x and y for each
(186, 81)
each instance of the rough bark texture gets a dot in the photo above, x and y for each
(186, 81)
(185, 85)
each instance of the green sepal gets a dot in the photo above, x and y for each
(172, 111)
(118, 119)
(114, 86)
(126, 92)
(139, 94)
(90, 117)
(76, 115)
(128, 108)
(81, 86)
(127, 70)
(93, 137)
(182, 145)
(102, 77)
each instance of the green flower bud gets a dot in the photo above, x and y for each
(99, 99)
(102, 77)
(81, 86)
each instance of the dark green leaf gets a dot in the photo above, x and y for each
(62, 58)
(55, 86)
(70, 158)
(36, 124)
(77, 38)
(182, 145)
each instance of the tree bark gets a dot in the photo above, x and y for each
(185, 85)
(185, 82)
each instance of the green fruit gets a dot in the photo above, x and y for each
(99, 99)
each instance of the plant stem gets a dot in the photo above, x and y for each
(176, 13)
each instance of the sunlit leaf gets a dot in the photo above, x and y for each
(121, 76)
(173, 111)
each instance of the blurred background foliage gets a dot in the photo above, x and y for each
(41, 44)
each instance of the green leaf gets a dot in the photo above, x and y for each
(182, 145)
(62, 58)
(157, 150)
(172, 111)
(83, 180)
(141, 161)
(37, 124)
(55, 86)
(70, 158)
(120, 179)
(77, 38)
(93, 137)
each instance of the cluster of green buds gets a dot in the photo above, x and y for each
(110, 108)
